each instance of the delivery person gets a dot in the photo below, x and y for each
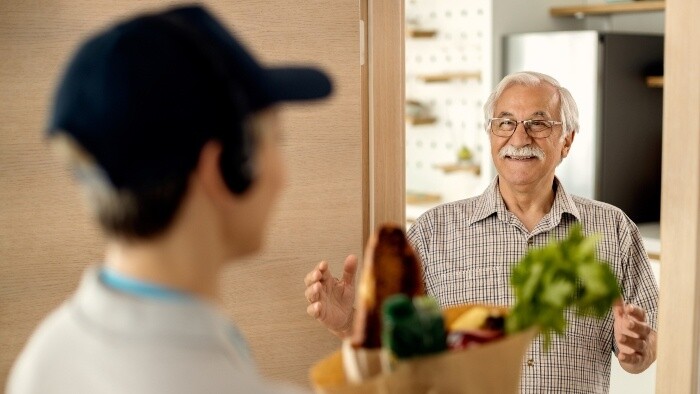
(172, 129)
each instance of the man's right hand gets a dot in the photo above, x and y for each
(330, 299)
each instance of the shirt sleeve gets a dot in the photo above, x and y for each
(639, 285)
(418, 236)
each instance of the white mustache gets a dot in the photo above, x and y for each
(525, 151)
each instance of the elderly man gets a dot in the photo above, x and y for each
(468, 247)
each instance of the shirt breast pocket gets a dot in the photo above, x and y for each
(474, 285)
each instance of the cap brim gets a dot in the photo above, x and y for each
(297, 84)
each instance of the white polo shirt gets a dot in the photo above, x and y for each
(105, 341)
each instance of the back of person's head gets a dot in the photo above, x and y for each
(139, 100)
(567, 105)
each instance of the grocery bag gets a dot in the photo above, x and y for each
(493, 367)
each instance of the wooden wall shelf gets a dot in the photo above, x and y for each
(421, 33)
(447, 77)
(420, 120)
(422, 198)
(607, 9)
(457, 167)
(655, 81)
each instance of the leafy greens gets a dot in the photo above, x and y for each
(560, 275)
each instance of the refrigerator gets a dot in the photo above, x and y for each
(616, 155)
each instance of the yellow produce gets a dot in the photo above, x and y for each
(472, 319)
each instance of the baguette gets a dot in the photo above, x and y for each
(390, 267)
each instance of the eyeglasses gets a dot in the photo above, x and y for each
(535, 128)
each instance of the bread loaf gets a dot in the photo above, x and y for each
(390, 266)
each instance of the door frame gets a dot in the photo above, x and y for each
(679, 322)
(385, 106)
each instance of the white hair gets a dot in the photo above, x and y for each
(101, 197)
(567, 105)
(124, 213)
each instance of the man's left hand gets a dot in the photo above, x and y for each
(635, 339)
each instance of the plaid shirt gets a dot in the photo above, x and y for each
(469, 247)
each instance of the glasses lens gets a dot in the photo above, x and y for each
(503, 126)
(538, 126)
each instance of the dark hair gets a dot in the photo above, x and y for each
(145, 213)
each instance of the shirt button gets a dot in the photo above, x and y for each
(530, 241)
(530, 363)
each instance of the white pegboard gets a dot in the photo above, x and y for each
(462, 43)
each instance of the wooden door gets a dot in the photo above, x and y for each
(46, 239)
(678, 369)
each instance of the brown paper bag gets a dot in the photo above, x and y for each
(490, 368)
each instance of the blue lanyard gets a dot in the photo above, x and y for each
(125, 284)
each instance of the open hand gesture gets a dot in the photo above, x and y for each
(330, 299)
(635, 340)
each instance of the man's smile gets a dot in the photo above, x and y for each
(521, 158)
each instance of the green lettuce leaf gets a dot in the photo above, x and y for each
(563, 274)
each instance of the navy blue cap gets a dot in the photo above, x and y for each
(144, 96)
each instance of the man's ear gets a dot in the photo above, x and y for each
(208, 171)
(568, 140)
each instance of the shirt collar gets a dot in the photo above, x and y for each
(488, 203)
(563, 203)
(491, 202)
(190, 321)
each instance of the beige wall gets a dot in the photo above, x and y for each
(46, 240)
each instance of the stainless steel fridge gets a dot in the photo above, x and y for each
(616, 156)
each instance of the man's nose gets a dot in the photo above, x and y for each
(520, 136)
